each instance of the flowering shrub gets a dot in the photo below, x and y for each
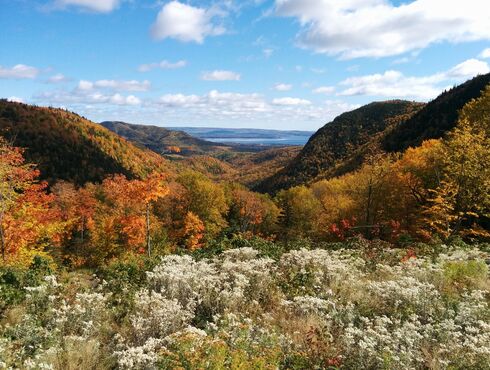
(308, 308)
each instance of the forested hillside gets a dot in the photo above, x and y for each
(437, 117)
(66, 146)
(338, 140)
(342, 145)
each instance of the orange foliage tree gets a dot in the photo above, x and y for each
(251, 212)
(28, 220)
(193, 231)
(129, 203)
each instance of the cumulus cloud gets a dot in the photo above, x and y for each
(290, 101)
(485, 54)
(18, 72)
(85, 97)
(466, 69)
(394, 84)
(216, 106)
(283, 87)
(131, 85)
(378, 28)
(220, 75)
(99, 6)
(164, 64)
(178, 100)
(186, 23)
(324, 90)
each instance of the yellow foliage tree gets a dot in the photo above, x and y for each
(461, 204)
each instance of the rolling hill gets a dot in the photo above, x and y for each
(66, 146)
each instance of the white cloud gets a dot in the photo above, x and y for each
(250, 109)
(57, 78)
(85, 85)
(324, 90)
(178, 100)
(119, 99)
(283, 87)
(220, 75)
(395, 84)
(485, 54)
(213, 107)
(186, 23)
(131, 85)
(290, 101)
(19, 71)
(86, 97)
(468, 68)
(378, 28)
(164, 64)
(15, 99)
(100, 6)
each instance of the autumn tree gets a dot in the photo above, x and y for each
(300, 213)
(129, 203)
(148, 191)
(414, 176)
(462, 202)
(205, 199)
(192, 231)
(251, 212)
(78, 208)
(27, 219)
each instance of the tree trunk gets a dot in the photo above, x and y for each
(2, 243)
(83, 229)
(148, 236)
(368, 211)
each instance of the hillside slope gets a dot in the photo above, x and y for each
(69, 147)
(338, 140)
(438, 117)
(393, 126)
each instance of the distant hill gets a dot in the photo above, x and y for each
(338, 140)
(69, 147)
(160, 139)
(437, 118)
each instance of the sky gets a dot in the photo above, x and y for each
(280, 64)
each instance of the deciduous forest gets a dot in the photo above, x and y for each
(113, 256)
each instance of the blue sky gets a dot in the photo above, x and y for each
(284, 64)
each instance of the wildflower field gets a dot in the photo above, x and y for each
(255, 305)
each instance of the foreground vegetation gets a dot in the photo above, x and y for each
(252, 304)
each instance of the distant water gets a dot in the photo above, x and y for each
(248, 136)
(286, 140)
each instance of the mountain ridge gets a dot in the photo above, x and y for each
(67, 146)
(333, 151)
